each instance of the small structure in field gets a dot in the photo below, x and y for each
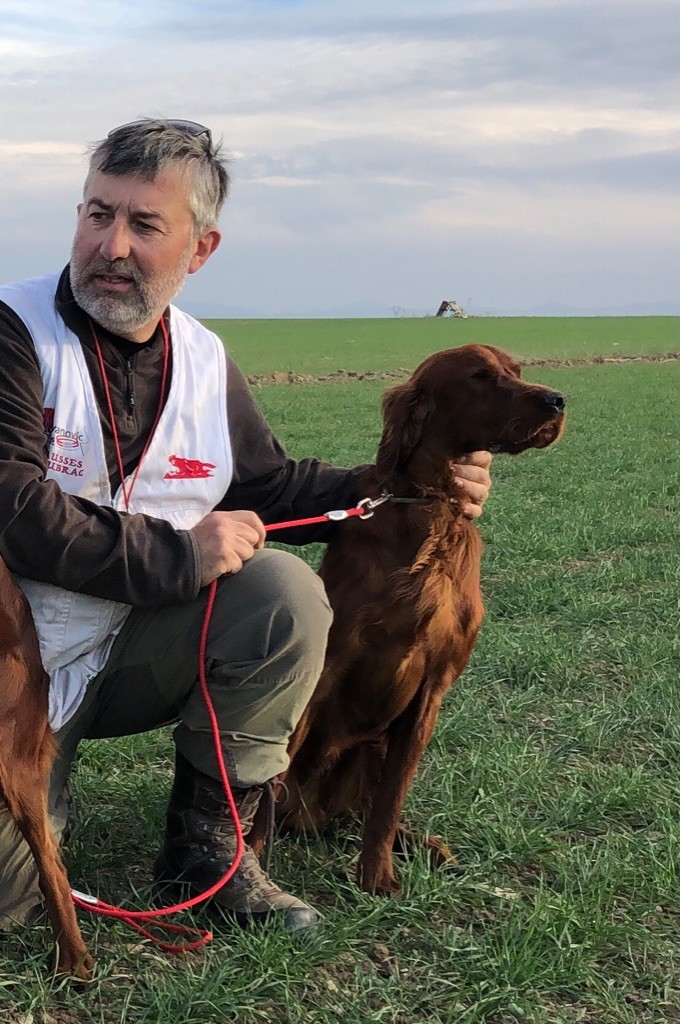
(449, 307)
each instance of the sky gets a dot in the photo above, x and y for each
(515, 155)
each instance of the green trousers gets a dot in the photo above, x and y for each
(264, 656)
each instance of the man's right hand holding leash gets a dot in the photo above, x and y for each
(225, 541)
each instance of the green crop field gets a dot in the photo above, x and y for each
(325, 346)
(554, 771)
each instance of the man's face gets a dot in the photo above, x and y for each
(134, 245)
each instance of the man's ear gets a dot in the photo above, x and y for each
(205, 247)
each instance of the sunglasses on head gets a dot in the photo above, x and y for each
(190, 127)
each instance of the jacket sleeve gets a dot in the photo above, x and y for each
(57, 538)
(268, 482)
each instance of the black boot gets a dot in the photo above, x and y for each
(200, 845)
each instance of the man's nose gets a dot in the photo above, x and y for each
(116, 243)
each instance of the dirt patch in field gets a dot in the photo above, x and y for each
(667, 357)
(290, 377)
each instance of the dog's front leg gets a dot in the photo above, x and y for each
(409, 736)
(29, 809)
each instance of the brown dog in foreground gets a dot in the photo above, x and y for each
(405, 591)
(26, 752)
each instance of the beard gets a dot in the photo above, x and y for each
(142, 304)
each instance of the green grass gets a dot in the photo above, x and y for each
(554, 773)
(324, 346)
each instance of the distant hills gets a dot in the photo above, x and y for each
(660, 308)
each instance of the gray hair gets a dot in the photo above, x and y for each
(145, 148)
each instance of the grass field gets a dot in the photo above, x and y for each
(554, 771)
(323, 346)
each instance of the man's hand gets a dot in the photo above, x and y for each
(225, 541)
(471, 474)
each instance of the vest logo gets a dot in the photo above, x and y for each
(65, 448)
(64, 441)
(189, 469)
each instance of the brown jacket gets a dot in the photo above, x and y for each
(54, 537)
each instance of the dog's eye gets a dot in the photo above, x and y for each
(482, 375)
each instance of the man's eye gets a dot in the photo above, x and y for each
(144, 226)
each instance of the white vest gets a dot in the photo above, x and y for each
(185, 473)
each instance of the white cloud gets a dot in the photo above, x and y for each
(352, 122)
(39, 148)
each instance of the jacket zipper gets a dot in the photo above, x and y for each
(130, 391)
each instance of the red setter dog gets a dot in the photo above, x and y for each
(405, 592)
(26, 751)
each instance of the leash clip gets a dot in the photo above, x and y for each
(370, 504)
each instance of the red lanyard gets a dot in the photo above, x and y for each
(127, 491)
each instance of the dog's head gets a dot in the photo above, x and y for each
(463, 400)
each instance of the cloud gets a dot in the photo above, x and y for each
(354, 125)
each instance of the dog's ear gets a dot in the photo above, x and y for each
(405, 412)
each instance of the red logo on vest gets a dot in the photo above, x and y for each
(189, 469)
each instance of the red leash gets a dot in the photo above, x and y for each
(137, 919)
(328, 517)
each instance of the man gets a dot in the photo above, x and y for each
(135, 469)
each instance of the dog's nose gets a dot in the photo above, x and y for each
(556, 400)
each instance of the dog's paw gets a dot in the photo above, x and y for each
(438, 854)
(377, 878)
(75, 965)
